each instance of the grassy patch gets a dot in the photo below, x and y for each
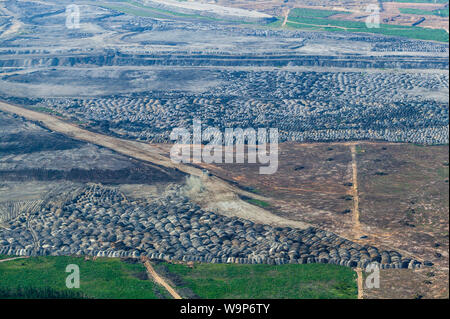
(257, 202)
(254, 190)
(265, 281)
(44, 109)
(102, 278)
(276, 24)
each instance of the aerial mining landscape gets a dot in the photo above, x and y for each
(87, 108)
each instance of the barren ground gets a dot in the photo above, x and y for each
(402, 191)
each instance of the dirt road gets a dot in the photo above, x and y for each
(360, 281)
(286, 16)
(158, 279)
(355, 216)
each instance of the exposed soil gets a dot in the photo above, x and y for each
(402, 198)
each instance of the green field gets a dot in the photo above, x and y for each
(303, 12)
(102, 278)
(441, 12)
(216, 281)
(355, 26)
(44, 277)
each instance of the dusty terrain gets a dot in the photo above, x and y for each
(402, 197)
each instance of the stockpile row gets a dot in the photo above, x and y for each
(99, 222)
(306, 106)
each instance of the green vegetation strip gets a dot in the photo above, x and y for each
(44, 109)
(215, 281)
(441, 12)
(356, 26)
(258, 202)
(318, 13)
(45, 277)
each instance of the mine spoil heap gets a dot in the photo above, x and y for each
(102, 222)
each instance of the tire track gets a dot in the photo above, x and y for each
(11, 259)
